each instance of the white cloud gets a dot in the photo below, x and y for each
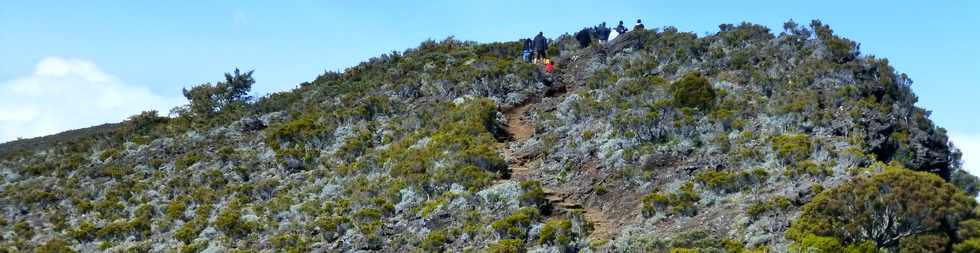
(969, 144)
(64, 94)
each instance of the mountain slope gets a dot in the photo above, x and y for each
(656, 140)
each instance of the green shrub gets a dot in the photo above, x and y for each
(693, 91)
(924, 243)
(176, 208)
(601, 79)
(432, 204)
(187, 160)
(195, 247)
(229, 221)
(24, 230)
(967, 246)
(969, 228)
(435, 241)
(189, 231)
(54, 245)
(464, 140)
(556, 232)
(792, 147)
(588, 134)
(684, 250)
(506, 246)
(654, 203)
(288, 242)
(297, 129)
(814, 243)
(677, 203)
(774, 203)
(332, 227)
(203, 194)
(517, 224)
(112, 170)
(726, 181)
(367, 215)
(600, 189)
(108, 153)
(118, 229)
(808, 167)
(226, 153)
(214, 178)
(533, 194)
(110, 208)
(914, 202)
(141, 222)
(84, 232)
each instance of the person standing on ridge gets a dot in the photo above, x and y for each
(621, 29)
(583, 37)
(638, 26)
(613, 33)
(540, 45)
(603, 33)
(526, 52)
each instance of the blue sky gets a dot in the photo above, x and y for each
(114, 58)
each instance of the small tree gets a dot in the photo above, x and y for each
(882, 209)
(841, 50)
(207, 99)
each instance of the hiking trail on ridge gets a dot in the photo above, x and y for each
(561, 203)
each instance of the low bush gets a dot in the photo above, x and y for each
(772, 204)
(517, 224)
(728, 181)
(556, 232)
(506, 246)
(792, 148)
(229, 221)
(677, 203)
(693, 91)
(435, 241)
(54, 245)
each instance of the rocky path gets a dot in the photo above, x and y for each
(521, 130)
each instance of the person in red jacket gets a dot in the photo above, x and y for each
(549, 66)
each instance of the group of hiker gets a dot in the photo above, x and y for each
(603, 33)
(535, 50)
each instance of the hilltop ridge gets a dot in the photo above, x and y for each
(656, 141)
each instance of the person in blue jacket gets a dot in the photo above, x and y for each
(526, 51)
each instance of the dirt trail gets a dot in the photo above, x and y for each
(518, 128)
(521, 130)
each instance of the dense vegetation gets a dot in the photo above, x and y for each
(894, 209)
(684, 143)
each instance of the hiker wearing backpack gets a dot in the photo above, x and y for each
(540, 45)
(603, 33)
(639, 26)
(583, 37)
(621, 29)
